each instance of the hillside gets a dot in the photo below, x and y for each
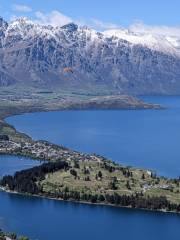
(76, 58)
(90, 178)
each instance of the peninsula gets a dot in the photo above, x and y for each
(89, 178)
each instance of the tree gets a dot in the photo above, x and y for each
(143, 176)
(87, 178)
(73, 172)
(100, 175)
(76, 164)
(25, 181)
(112, 185)
(128, 185)
(86, 171)
(12, 236)
(101, 198)
(23, 238)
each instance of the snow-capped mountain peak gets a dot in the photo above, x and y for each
(21, 21)
(120, 60)
(71, 27)
(27, 28)
(167, 44)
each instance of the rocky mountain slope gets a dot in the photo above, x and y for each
(73, 57)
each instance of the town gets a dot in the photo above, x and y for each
(43, 150)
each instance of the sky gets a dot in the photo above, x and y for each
(98, 14)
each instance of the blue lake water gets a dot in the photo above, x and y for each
(143, 138)
(139, 138)
(48, 220)
(9, 165)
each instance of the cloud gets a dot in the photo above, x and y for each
(98, 24)
(140, 27)
(54, 18)
(136, 27)
(21, 8)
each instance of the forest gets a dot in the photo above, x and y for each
(26, 181)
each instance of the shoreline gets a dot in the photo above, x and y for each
(163, 211)
(40, 159)
(107, 102)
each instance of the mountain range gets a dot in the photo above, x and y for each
(75, 57)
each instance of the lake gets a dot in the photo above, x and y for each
(140, 138)
(9, 165)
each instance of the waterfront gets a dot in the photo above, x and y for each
(140, 138)
(85, 130)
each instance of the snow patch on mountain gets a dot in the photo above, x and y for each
(120, 60)
(25, 28)
(167, 44)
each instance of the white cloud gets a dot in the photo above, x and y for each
(140, 27)
(98, 24)
(21, 8)
(137, 27)
(54, 18)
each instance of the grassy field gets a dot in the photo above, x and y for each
(96, 178)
